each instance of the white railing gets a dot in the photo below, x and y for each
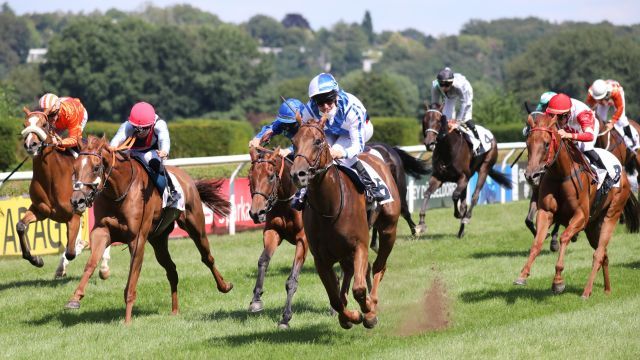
(241, 160)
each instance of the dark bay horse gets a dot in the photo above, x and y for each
(128, 209)
(453, 161)
(51, 186)
(567, 195)
(271, 192)
(336, 223)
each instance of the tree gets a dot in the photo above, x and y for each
(295, 20)
(269, 31)
(382, 93)
(15, 40)
(367, 26)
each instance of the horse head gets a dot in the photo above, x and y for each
(543, 145)
(265, 178)
(434, 126)
(312, 151)
(36, 131)
(89, 172)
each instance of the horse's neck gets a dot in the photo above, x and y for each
(120, 177)
(287, 188)
(52, 166)
(326, 185)
(565, 164)
(450, 148)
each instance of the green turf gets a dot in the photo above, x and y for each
(488, 316)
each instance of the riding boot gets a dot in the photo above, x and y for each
(174, 196)
(627, 132)
(298, 201)
(372, 190)
(595, 159)
(472, 126)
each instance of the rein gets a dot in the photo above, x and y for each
(272, 198)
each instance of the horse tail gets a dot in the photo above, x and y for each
(500, 178)
(412, 165)
(209, 191)
(632, 214)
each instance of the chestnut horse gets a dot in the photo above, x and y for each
(453, 161)
(128, 209)
(567, 195)
(50, 189)
(271, 193)
(336, 223)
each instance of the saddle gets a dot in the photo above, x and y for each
(158, 177)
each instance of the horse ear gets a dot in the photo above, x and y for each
(426, 105)
(530, 121)
(26, 111)
(253, 153)
(323, 120)
(276, 153)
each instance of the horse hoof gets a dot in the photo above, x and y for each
(36, 261)
(520, 282)
(558, 288)
(466, 220)
(255, 306)
(370, 323)
(104, 273)
(73, 305)
(584, 297)
(421, 229)
(227, 289)
(346, 325)
(283, 326)
(332, 312)
(59, 276)
(554, 246)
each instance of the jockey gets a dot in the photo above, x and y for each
(544, 101)
(453, 87)
(152, 141)
(347, 129)
(285, 124)
(65, 114)
(576, 121)
(605, 93)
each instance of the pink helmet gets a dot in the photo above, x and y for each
(142, 115)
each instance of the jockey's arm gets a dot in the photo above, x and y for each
(586, 121)
(120, 136)
(618, 102)
(75, 135)
(590, 101)
(356, 134)
(162, 132)
(466, 98)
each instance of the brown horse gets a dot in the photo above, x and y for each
(567, 195)
(335, 220)
(50, 189)
(270, 196)
(128, 209)
(453, 161)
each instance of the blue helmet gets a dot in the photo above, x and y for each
(287, 111)
(321, 84)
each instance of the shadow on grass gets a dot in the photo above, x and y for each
(70, 318)
(635, 265)
(429, 236)
(515, 293)
(511, 253)
(51, 283)
(286, 269)
(316, 334)
(272, 311)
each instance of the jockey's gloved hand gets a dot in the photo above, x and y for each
(254, 142)
(337, 153)
(285, 152)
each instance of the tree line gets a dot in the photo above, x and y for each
(189, 63)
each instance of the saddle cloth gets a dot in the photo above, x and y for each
(165, 194)
(614, 168)
(628, 141)
(374, 176)
(161, 183)
(485, 136)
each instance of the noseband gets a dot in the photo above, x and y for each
(41, 133)
(428, 130)
(313, 165)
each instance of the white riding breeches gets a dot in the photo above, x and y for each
(344, 141)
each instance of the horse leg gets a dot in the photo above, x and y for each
(73, 230)
(330, 281)
(387, 240)
(105, 272)
(292, 282)
(347, 276)
(533, 207)
(160, 246)
(136, 250)
(605, 273)
(404, 211)
(576, 224)
(21, 229)
(457, 197)
(543, 221)
(554, 246)
(374, 240)
(194, 226)
(482, 178)
(100, 237)
(434, 184)
(600, 258)
(360, 264)
(271, 239)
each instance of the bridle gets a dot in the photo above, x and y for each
(428, 130)
(272, 197)
(41, 133)
(313, 165)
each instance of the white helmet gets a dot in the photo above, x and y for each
(49, 102)
(322, 83)
(600, 89)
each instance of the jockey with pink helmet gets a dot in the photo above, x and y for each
(152, 142)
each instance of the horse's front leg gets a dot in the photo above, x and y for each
(434, 184)
(459, 197)
(21, 229)
(292, 282)
(576, 224)
(360, 265)
(100, 237)
(271, 239)
(136, 249)
(543, 221)
(73, 227)
(346, 317)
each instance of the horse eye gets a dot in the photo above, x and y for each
(317, 142)
(546, 146)
(96, 168)
(272, 177)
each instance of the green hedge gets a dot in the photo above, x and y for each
(396, 131)
(9, 142)
(200, 137)
(507, 132)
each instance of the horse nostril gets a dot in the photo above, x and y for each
(302, 174)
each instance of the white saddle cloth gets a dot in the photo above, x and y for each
(614, 168)
(165, 195)
(485, 136)
(628, 141)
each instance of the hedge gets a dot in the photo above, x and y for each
(396, 131)
(9, 142)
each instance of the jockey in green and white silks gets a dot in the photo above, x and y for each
(347, 128)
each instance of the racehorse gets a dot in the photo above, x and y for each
(271, 193)
(567, 195)
(337, 224)
(50, 189)
(453, 161)
(128, 209)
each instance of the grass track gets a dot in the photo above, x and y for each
(489, 317)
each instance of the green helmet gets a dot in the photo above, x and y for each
(544, 100)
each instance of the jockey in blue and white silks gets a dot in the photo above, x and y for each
(347, 127)
(284, 124)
